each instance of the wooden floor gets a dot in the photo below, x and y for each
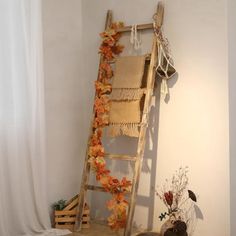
(97, 230)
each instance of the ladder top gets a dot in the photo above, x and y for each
(158, 18)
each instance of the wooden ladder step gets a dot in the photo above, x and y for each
(139, 27)
(95, 188)
(148, 58)
(120, 157)
(99, 188)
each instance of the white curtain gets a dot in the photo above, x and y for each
(23, 197)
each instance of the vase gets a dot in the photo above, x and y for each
(148, 234)
(174, 227)
(167, 225)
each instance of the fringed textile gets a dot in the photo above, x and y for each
(126, 94)
(128, 129)
(125, 114)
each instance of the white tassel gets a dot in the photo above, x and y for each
(132, 35)
(135, 39)
(164, 88)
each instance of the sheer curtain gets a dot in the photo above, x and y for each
(23, 197)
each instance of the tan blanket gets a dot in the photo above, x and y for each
(128, 72)
(128, 77)
(124, 118)
(125, 114)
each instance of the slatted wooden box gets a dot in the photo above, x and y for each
(65, 219)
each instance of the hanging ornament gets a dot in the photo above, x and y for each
(135, 39)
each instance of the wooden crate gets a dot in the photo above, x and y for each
(65, 219)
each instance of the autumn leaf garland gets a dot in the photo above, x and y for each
(118, 188)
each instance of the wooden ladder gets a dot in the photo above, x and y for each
(138, 159)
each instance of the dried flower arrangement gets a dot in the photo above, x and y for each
(179, 201)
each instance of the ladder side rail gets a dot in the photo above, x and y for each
(86, 169)
(142, 136)
(142, 140)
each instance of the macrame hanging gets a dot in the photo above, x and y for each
(165, 64)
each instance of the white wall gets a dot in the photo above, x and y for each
(193, 126)
(66, 112)
(232, 105)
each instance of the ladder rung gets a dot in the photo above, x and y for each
(148, 58)
(98, 188)
(95, 188)
(139, 27)
(112, 61)
(120, 157)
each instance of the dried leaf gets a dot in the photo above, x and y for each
(192, 195)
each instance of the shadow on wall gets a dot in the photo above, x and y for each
(171, 82)
(150, 156)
